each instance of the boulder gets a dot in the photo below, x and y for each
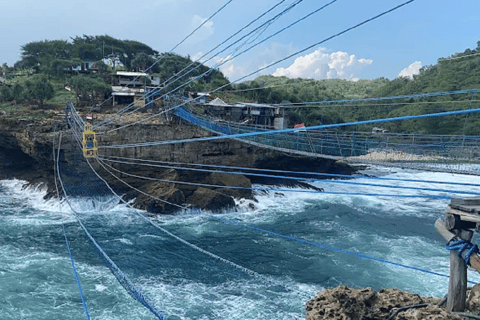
(473, 301)
(235, 180)
(170, 199)
(212, 200)
(344, 303)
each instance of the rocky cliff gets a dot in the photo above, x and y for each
(26, 153)
(344, 303)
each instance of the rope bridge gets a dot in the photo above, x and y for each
(443, 153)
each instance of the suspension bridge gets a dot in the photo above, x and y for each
(443, 153)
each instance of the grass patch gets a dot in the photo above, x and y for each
(10, 107)
(62, 95)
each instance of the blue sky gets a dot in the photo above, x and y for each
(415, 35)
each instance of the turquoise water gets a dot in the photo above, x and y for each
(37, 282)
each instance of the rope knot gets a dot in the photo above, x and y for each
(462, 245)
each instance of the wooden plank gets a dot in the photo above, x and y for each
(471, 209)
(464, 216)
(465, 201)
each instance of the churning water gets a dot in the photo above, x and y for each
(37, 282)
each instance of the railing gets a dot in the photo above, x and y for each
(448, 153)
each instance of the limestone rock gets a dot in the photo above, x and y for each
(473, 301)
(171, 198)
(204, 198)
(343, 303)
(225, 179)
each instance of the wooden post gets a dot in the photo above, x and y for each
(457, 285)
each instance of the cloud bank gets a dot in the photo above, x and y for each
(321, 64)
(411, 70)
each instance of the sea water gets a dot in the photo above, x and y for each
(37, 280)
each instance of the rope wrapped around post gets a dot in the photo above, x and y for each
(462, 245)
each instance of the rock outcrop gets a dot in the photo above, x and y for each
(344, 303)
(241, 184)
(160, 197)
(211, 200)
(26, 153)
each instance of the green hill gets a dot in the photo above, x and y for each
(458, 72)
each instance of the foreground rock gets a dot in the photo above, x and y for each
(343, 303)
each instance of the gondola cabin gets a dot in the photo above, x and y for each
(89, 142)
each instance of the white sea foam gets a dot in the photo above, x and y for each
(100, 287)
(247, 299)
(295, 201)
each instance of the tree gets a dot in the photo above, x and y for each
(89, 88)
(5, 94)
(141, 61)
(17, 92)
(42, 90)
(39, 52)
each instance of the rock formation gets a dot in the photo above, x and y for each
(344, 303)
(26, 153)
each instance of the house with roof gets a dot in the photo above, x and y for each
(130, 87)
(260, 115)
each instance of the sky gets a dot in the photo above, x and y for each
(397, 44)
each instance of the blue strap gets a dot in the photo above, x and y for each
(324, 246)
(462, 245)
(76, 275)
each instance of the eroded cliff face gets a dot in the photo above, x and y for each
(26, 149)
(26, 152)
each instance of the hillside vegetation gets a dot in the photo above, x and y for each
(458, 72)
(39, 77)
(45, 67)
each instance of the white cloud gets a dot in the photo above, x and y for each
(323, 65)
(205, 32)
(411, 70)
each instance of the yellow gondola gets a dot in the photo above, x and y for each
(89, 142)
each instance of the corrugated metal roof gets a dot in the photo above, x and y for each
(132, 74)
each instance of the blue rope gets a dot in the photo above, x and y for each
(256, 44)
(281, 60)
(462, 245)
(300, 172)
(193, 79)
(303, 179)
(408, 96)
(323, 246)
(270, 132)
(178, 44)
(76, 275)
(121, 277)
